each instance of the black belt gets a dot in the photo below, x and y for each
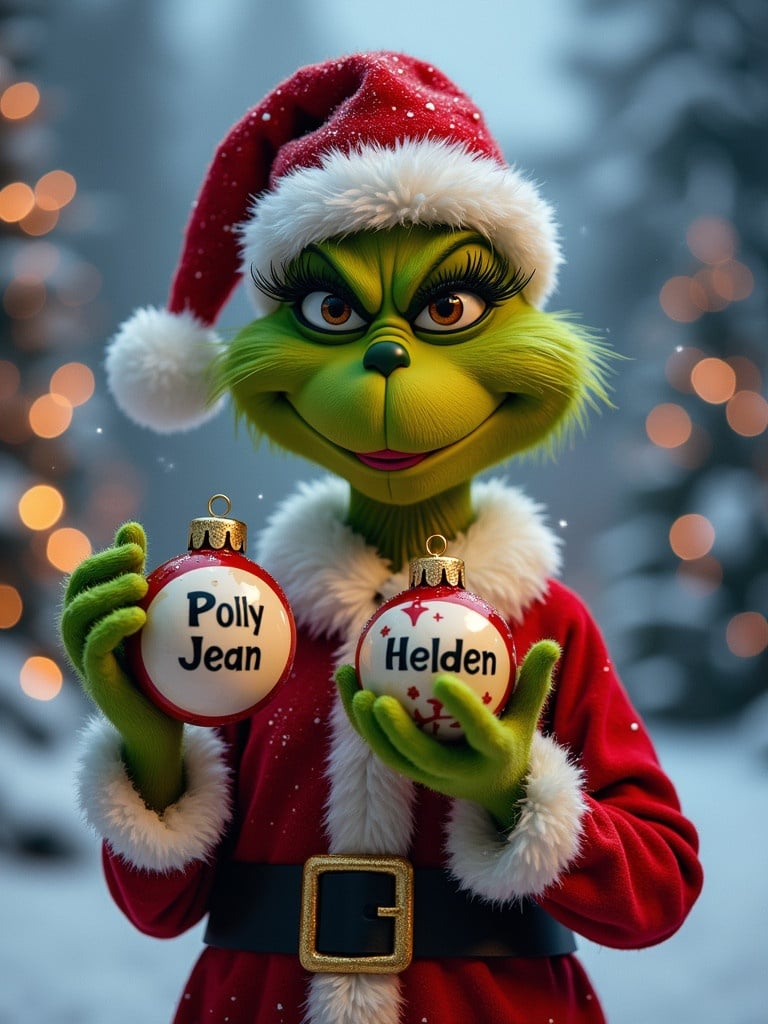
(348, 910)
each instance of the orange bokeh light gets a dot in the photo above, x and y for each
(713, 380)
(668, 425)
(11, 606)
(50, 415)
(24, 297)
(748, 375)
(691, 536)
(17, 200)
(10, 379)
(40, 507)
(19, 100)
(683, 299)
(39, 222)
(75, 381)
(712, 240)
(732, 281)
(41, 678)
(747, 413)
(67, 548)
(54, 190)
(747, 634)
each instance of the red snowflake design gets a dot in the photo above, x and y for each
(433, 721)
(385, 631)
(414, 693)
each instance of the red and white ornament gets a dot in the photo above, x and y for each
(434, 627)
(220, 636)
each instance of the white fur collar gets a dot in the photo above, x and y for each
(335, 581)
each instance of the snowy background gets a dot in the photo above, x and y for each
(142, 91)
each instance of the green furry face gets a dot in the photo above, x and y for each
(407, 361)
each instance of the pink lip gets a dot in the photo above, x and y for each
(387, 459)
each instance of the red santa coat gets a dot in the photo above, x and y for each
(601, 842)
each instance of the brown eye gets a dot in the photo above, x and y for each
(451, 312)
(335, 311)
(330, 312)
(446, 311)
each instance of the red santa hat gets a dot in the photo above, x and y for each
(368, 141)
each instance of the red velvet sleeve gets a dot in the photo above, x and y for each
(163, 905)
(638, 873)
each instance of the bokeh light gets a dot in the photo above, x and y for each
(40, 507)
(748, 375)
(75, 381)
(41, 678)
(39, 222)
(19, 100)
(10, 379)
(66, 548)
(668, 425)
(733, 281)
(14, 419)
(11, 606)
(17, 200)
(683, 299)
(747, 413)
(55, 190)
(691, 536)
(712, 240)
(24, 298)
(747, 634)
(50, 415)
(713, 380)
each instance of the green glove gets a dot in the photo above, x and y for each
(100, 611)
(489, 764)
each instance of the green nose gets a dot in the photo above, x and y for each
(385, 357)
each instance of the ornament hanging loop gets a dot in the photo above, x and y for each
(436, 545)
(219, 497)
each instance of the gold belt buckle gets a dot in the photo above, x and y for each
(402, 915)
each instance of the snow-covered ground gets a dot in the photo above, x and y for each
(68, 957)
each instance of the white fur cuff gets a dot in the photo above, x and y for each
(186, 831)
(544, 842)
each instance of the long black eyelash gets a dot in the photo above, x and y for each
(294, 281)
(491, 280)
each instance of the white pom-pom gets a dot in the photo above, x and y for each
(158, 367)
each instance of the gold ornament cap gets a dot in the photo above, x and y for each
(218, 532)
(437, 569)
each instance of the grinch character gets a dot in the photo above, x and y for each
(399, 269)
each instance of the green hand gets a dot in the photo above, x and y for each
(100, 611)
(490, 764)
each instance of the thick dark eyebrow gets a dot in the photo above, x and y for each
(295, 279)
(486, 274)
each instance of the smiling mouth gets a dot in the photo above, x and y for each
(387, 459)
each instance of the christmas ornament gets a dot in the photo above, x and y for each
(433, 627)
(219, 636)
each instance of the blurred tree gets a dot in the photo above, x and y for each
(45, 290)
(677, 173)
